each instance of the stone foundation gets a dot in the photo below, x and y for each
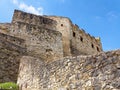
(96, 72)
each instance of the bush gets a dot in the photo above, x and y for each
(8, 86)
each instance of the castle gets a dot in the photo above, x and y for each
(36, 50)
(51, 37)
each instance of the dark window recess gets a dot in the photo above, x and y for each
(118, 67)
(62, 25)
(73, 34)
(49, 50)
(92, 45)
(98, 49)
(81, 39)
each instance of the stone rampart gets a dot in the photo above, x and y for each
(10, 54)
(93, 72)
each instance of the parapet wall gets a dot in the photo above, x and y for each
(93, 72)
(20, 16)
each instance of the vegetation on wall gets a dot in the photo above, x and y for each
(8, 86)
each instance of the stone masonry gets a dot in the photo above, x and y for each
(93, 72)
(50, 37)
(11, 51)
(51, 53)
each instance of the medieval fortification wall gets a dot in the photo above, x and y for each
(93, 72)
(11, 51)
(83, 43)
(51, 53)
(74, 40)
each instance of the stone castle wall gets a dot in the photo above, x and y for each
(83, 43)
(44, 40)
(64, 26)
(75, 40)
(4, 27)
(93, 72)
(40, 42)
(11, 52)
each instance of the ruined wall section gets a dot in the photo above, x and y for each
(11, 50)
(83, 43)
(14, 40)
(4, 27)
(40, 42)
(20, 16)
(96, 72)
(64, 25)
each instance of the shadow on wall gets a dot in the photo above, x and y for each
(10, 55)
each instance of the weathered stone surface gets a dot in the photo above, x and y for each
(4, 27)
(40, 42)
(93, 72)
(10, 55)
(44, 47)
(20, 16)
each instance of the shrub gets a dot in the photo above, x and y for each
(8, 86)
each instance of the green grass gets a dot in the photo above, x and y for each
(8, 86)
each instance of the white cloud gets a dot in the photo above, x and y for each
(15, 2)
(31, 9)
(28, 8)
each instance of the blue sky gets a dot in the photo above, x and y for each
(97, 17)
